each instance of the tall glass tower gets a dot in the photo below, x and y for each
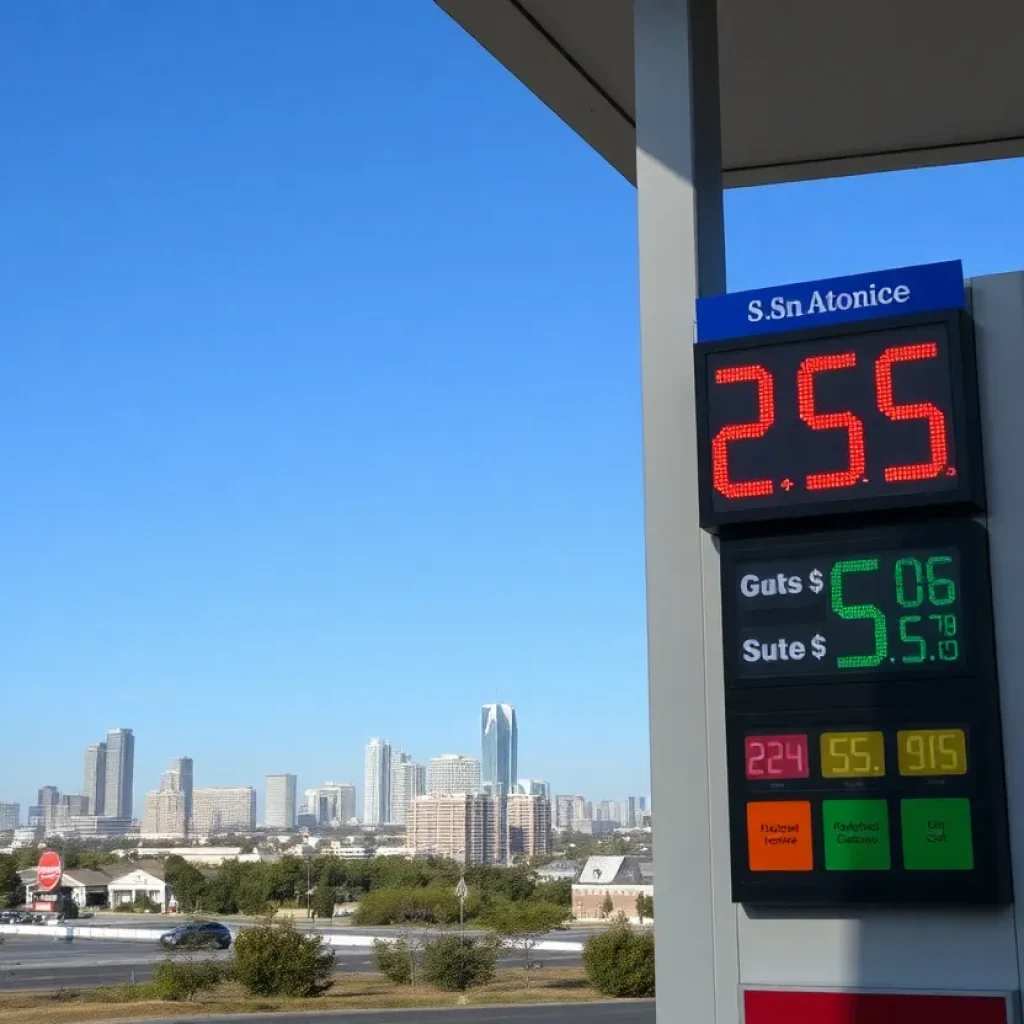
(499, 737)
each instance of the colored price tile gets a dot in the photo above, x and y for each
(937, 834)
(777, 757)
(779, 835)
(932, 751)
(852, 755)
(856, 834)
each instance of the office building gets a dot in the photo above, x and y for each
(76, 804)
(280, 808)
(10, 817)
(643, 803)
(568, 808)
(95, 826)
(532, 787)
(631, 812)
(180, 778)
(453, 773)
(333, 803)
(220, 809)
(120, 775)
(377, 779)
(529, 825)
(471, 828)
(408, 781)
(499, 739)
(165, 813)
(49, 796)
(35, 816)
(94, 774)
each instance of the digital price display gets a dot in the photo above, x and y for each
(863, 417)
(899, 603)
(864, 743)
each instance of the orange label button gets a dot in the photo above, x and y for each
(779, 835)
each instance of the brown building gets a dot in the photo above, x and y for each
(467, 827)
(529, 825)
(618, 880)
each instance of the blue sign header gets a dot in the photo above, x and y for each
(837, 300)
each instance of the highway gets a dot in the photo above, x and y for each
(34, 963)
(620, 1012)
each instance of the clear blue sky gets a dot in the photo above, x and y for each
(319, 392)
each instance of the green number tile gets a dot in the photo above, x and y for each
(937, 834)
(856, 835)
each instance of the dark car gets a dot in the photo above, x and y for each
(198, 935)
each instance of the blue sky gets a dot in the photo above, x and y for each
(319, 393)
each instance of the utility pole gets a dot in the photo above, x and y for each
(462, 891)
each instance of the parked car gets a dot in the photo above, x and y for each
(197, 935)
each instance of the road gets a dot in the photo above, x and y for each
(622, 1012)
(42, 963)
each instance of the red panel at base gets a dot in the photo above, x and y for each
(771, 1007)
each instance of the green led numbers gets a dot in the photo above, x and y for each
(909, 596)
(941, 589)
(859, 611)
(909, 638)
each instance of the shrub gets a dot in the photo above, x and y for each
(322, 901)
(394, 960)
(432, 904)
(455, 963)
(620, 962)
(273, 959)
(644, 907)
(179, 980)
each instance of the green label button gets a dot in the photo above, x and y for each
(937, 834)
(856, 835)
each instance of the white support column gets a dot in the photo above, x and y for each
(682, 254)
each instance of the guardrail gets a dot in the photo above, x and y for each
(69, 933)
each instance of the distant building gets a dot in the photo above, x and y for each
(567, 808)
(499, 741)
(280, 801)
(408, 781)
(49, 796)
(96, 826)
(10, 817)
(35, 816)
(453, 773)
(75, 803)
(529, 825)
(377, 778)
(631, 812)
(532, 787)
(94, 776)
(180, 778)
(120, 773)
(471, 828)
(620, 878)
(164, 814)
(333, 803)
(559, 870)
(593, 827)
(220, 809)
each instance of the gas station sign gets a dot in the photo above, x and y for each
(864, 745)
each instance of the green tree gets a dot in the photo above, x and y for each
(620, 962)
(187, 882)
(644, 907)
(524, 925)
(12, 892)
(607, 906)
(556, 890)
(455, 962)
(394, 959)
(274, 959)
(322, 901)
(427, 905)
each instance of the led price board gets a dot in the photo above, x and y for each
(852, 418)
(903, 603)
(874, 773)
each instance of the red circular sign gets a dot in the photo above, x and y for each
(49, 871)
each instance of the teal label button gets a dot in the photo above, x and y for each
(856, 835)
(937, 834)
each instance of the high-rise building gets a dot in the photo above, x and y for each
(529, 825)
(643, 803)
(219, 809)
(333, 803)
(280, 806)
(377, 788)
(631, 812)
(499, 739)
(453, 773)
(468, 827)
(180, 778)
(532, 787)
(75, 803)
(567, 809)
(10, 817)
(49, 796)
(165, 813)
(95, 776)
(408, 781)
(117, 796)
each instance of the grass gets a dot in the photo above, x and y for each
(349, 992)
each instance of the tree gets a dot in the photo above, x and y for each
(274, 959)
(644, 906)
(395, 960)
(187, 882)
(322, 901)
(12, 892)
(620, 962)
(607, 906)
(524, 925)
(456, 962)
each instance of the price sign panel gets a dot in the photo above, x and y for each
(899, 603)
(862, 718)
(850, 418)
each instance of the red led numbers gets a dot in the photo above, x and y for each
(743, 432)
(777, 757)
(915, 411)
(831, 421)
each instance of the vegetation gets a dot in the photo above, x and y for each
(607, 906)
(273, 959)
(432, 904)
(524, 925)
(620, 962)
(323, 900)
(644, 907)
(12, 892)
(454, 963)
(395, 960)
(178, 979)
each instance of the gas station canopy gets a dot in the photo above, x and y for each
(808, 89)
